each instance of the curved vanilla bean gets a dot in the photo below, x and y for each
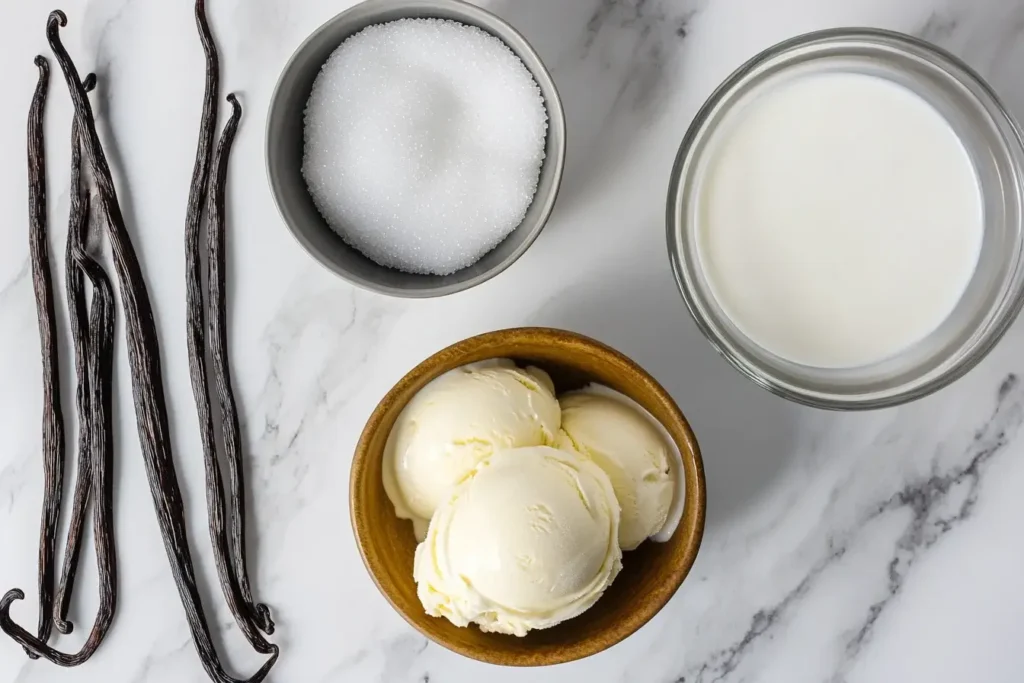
(78, 314)
(147, 377)
(195, 331)
(222, 371)
(53, 417)
(195, 323)
(100, 428)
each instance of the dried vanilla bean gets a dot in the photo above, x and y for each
(232, 433)
(53, 417)
(78, 314)
(147, 378)
(194, 311)
(249, 617)
(94, 366)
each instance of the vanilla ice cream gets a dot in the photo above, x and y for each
(458, 420)
(632, 448)
(528, 540)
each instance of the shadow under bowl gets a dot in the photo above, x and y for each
(651, 574)
(284, 152)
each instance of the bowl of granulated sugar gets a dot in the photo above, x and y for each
(415, 147)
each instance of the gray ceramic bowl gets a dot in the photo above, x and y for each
(285, 142)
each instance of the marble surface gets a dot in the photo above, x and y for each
(867, 547)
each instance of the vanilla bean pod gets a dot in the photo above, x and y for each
(53, 417)
(248, 617)
(147, 378)
(78, 314)
(232, 437)
(195, 323)
(100, 349)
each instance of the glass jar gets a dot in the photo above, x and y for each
(996, 149)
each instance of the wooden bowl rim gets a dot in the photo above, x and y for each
(694, 506)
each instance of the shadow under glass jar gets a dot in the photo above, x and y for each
(994, 144)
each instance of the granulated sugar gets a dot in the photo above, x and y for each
(424, 140)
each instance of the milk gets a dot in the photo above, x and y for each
(839, 219)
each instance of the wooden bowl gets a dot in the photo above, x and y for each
(651, 573)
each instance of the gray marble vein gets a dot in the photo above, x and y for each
(8, 289)
(937, 503)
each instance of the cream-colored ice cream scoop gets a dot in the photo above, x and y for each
(527, 541)
(625, 442)
(458, 420)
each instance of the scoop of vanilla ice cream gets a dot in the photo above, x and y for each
(458, 420)
(624, 441)
(527, 541)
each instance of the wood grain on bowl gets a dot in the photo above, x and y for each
(651, 573)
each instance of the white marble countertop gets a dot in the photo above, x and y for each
(862, 547)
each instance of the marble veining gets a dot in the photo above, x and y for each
(840, 548)
(928, 507)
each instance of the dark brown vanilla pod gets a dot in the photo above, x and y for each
(53, 417)
(231, 569)
(78, 314)
(231, 430)
(146, 373)
(94, 350)
(195, 327)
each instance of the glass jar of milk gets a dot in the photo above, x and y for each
(845, 219)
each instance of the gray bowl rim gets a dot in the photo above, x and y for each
(556, 119)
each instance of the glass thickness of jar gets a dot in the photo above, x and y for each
(996, 291)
